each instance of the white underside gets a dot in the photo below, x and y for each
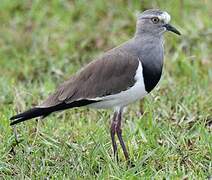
(126, 97)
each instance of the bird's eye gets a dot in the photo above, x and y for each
(155, 20)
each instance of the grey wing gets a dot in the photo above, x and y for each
(110, 74)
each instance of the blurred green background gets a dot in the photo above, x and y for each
(43, 42)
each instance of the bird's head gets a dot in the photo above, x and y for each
(154, 22)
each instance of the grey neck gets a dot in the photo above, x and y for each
(149, 50)
(143, 32)
(146, 45)
(147, 36)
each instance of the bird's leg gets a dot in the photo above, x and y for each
(119, 134)
(112, 134)
(16, 134)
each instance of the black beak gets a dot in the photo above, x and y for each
(171, 28)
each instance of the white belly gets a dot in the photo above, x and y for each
(136, 92)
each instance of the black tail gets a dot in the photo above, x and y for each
(43, 112)
(31, 113)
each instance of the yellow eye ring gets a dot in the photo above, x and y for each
(155, 20)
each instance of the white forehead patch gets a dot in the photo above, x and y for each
(165, 17)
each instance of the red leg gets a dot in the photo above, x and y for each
(112, 134)
(119, 134)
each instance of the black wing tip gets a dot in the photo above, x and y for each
(43, 112)
(16, 119)
(13, 118)
(31, 113)
(13, 123)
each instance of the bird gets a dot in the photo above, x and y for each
(115, 79)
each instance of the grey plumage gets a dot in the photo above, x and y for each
(116, 70)
(115, 79)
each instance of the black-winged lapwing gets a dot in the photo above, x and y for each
(117, 78)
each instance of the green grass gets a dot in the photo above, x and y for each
(43, 42)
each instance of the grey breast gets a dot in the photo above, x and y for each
(150, 52)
